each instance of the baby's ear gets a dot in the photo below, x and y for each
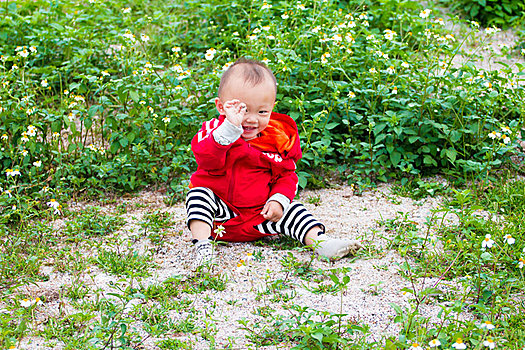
(219, 105)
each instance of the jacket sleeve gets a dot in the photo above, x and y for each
(210, 154)
(285, 182)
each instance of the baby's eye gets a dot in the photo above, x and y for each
(263, 112)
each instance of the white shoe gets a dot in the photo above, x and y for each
(335, 248)
(204, 254)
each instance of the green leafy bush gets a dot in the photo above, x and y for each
(500, 13)
(101, 96)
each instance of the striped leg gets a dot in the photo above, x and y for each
(295, 223)
(204, 205)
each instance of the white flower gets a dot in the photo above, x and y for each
(71, 116)
(506, 139)
(324, 57)
(26, 303)
(509, 239)
(25, 152)
(434, 343)
(175, 49)
(24, 138)
(487, 325)
(389, 34)
(521, 261)
(44, 83)
(301, 6)
(266, 6)
(5, 137)
(492, 30)
(38, 163)
(144, 37)
(105, 73)
(351, 94)
(12, 173)
(363, 16)
(439, 21)
(415, 346)
(54, 205)
(459, 345)
(126, 10)
(166, 120)
(487, 242)
(31, 131)
(219, 231)
(489, 343)
(351, 24)
(129, 35)
(148, 65)
(475, 24)
(523, 52)
(285, 16)
(492, 135)
(32, 49)
(391, 70)
(210, 54)
(366, 24)
(394, 90)
(425, 13)
(405, 65)
(372, 70)
(24, 53)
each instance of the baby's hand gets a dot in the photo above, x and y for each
(272, 211)
(235, 111)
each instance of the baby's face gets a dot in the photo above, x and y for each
(259, 101)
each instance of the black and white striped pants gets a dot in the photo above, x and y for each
(204, 205)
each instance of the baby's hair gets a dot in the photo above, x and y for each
(253, 72)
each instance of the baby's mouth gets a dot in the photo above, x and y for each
(249, 128)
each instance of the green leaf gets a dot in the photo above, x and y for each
(451, 154)
(57, 27)
(131, 136)
(395, 157)
(134, 96)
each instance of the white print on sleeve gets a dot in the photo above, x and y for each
(274, 156)
(208, 127)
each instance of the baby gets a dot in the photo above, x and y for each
(245, 183)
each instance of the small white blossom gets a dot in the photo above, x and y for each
(44, 83)
(210, 54)
(434, 343)
(459, 345)
(425, 13)
(12, 172)
(144, 38)
(266, 6)
(54, 205)
(489, 343)
(219, 231)
(126, 10)
(487, 242)
(487, 325)
(38, 163)
(25, 303)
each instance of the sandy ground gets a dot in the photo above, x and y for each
(375, 278)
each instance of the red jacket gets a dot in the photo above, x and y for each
(245, 174)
